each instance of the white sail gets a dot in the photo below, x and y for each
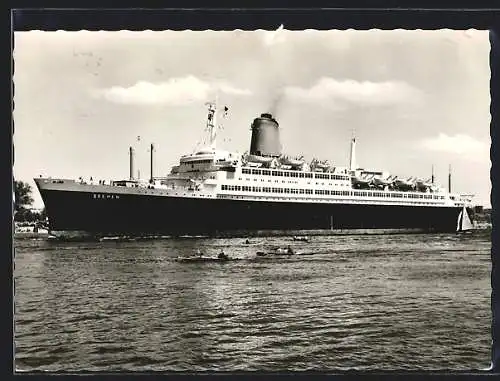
(464, 222)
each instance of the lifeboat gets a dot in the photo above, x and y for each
(381, 182)
(259, 159)
(435, 189)
(424, 185)
(254, 164)
(362, 181)
(405, 184)
(336, 170)
(294, 162)
(319, 166)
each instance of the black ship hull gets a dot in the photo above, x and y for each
(77, 211)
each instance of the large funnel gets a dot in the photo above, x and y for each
(265, 137)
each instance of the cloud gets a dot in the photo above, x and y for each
(459, 144)
(228, 89)
(366, 93)
(176, 91)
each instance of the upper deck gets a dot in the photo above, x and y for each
(265, 174)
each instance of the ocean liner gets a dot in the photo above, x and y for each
(217, 192)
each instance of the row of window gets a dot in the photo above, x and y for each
(378, 194)
(323, 176)
(299, 174)
(427, 196)
(399, 195)
(333, 193)
(206, 161)
(420, 203)
(246, 188)
(100, 195)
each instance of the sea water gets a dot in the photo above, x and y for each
(380, 302)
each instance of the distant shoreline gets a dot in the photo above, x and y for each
(19, 235)
(240, 234)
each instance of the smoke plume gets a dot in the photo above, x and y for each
(276, 102)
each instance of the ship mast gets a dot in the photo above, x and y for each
(152, 148)
(212, 122)
(449, 179)
(131, 163)
(352, 160)
(212, 126)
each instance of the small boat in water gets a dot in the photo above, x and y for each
(248, 242)
(277, 251)
(221, 257)
(464, 223)
(301, 238)
(194, 258)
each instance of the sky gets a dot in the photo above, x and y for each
(414, 99)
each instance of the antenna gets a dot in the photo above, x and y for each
(449, 179)
(213, 134)
(352, 160)
(432, 174)
(137, 150)
(212, 122)
(212, 126)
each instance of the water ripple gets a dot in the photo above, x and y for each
(402, 302)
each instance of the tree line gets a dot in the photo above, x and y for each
(23, 202)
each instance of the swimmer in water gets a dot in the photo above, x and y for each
(222, 255)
